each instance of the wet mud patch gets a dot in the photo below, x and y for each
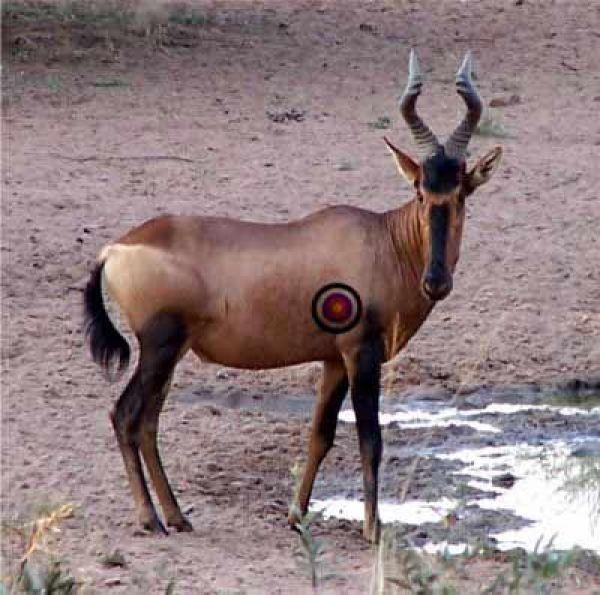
(247, 400)
(453, 473)
(472, 525)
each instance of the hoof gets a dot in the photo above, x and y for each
(372, 531)
(295, 516)
(153, 525)
(181, 525)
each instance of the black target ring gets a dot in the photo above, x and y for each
(336, 308)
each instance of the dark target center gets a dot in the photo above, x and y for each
(337, 308)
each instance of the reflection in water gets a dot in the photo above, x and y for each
(509, 408)
(451, 416)
(424, 419)
(443, 547)
(537, 495)
(580, 479)
(415, 512)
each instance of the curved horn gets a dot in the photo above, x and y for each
(427, 143)
(456, 145)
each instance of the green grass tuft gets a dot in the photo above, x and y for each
(114, 559)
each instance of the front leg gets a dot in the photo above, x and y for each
(334, 385)
(364, 370)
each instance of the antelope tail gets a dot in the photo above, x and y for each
(107, 345)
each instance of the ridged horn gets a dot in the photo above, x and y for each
(456, 145)
(427, 143)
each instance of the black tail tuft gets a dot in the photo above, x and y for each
(106, 343)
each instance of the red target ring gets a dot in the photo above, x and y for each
(336, 308)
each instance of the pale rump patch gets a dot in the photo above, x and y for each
(144, 280)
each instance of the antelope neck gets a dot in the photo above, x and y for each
(406, 233)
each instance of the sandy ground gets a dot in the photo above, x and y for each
(81, 136)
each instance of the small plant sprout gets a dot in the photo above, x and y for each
(114, 559)
(309, 554)
(38, 573)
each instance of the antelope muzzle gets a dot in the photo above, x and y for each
(436, 282)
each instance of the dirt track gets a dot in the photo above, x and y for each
(81, 141)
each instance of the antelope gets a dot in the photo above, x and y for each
(344, 286)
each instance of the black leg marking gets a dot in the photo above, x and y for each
(365, 401)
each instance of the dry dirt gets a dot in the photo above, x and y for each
(276, 108)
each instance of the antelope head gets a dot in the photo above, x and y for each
(441, 177)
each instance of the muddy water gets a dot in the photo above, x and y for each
(542, 467)
(488, 468)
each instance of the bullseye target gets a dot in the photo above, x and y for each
(336, 308)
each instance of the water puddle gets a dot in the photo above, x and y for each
(451, 416)
(297, 405)
(552, 486)
(558, 492)
(424, 419)
(413, 511)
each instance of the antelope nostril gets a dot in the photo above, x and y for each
(436, 288)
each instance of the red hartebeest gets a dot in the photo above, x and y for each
(345, 286)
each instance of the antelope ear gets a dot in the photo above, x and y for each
(484, 169)
(408, 168)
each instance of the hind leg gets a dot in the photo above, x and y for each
(126, 418)
(162, 342)
(149, 447)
